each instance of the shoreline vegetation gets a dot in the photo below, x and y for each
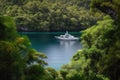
(51, 31)
(50, 15)
(98, 60)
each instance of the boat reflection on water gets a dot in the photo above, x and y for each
(68, 46)
(67, 43)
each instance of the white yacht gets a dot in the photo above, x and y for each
(66, 36)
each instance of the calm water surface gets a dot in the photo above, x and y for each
(58, 52)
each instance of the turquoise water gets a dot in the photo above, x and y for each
(58, 52)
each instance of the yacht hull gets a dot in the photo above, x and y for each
(70, 39)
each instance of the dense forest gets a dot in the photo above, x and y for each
(98, 60)
(50, 15)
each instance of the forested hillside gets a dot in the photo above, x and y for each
(98, 60)
(50, 15)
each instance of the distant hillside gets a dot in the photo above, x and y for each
(50, 15)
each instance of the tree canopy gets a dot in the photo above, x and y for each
(16, 55)
(50, 15)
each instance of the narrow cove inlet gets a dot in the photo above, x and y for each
(59, 52)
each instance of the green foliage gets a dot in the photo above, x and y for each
(7, 28)
(111, 59)
(34, 72)
(17, 56)
(100, 32)
(35, 56)
(99, 56)
(110, 7)
(98, 60)
(52, 74)
(50, 15)
(101, 50)
(11, 64)
(101, 47)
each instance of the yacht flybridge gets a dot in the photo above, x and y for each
(67, 36)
